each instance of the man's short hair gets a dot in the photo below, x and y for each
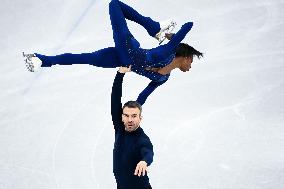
(133, 104)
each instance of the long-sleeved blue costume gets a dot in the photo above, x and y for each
(127, 50)
(129, 147)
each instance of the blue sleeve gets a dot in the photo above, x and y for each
(116, 106)
(179, 36)
(146, 151)
(164, 53)
(148, 90)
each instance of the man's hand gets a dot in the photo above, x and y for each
(141, 169)
(124, 69)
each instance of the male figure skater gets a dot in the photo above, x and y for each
(133, 150)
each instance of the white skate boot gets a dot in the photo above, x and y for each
(166, 27)
(32, 62)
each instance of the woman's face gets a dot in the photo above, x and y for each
(186, 63)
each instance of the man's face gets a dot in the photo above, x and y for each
(186, 63)
(131, 118)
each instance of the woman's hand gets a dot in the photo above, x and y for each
(124, 69)
(169, 35)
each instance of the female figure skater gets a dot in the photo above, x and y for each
(155, 64)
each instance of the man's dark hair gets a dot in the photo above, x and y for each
(133, 104)
(184, 50)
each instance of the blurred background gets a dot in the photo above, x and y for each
(218, 126)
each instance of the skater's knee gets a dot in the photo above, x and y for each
(111, 3)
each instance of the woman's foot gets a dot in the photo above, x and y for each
(32, 62)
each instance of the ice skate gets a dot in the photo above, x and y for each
(166, 27)
(32, 62)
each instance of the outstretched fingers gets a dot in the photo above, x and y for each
(141, 169)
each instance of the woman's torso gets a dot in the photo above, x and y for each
(148, 63)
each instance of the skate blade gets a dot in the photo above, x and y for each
(28, 56)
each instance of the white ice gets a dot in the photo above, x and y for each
(219, 126)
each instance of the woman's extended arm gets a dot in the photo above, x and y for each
(148, 90)
(179, 36)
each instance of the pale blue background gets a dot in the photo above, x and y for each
(219, 126)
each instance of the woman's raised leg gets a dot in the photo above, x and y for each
(148, 23)
(105, 58)
(121, 33)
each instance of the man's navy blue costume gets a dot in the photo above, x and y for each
(129, 147)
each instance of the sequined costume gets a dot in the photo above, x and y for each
(127, 50)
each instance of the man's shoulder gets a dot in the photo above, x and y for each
(144, 138)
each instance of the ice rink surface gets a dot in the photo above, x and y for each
(219, 126)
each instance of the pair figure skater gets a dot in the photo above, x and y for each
(155, 64)
(133, 151)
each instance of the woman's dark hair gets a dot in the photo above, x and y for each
(133, 104)
(184, 50)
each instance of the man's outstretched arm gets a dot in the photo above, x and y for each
(147, 157)
(116, 93)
